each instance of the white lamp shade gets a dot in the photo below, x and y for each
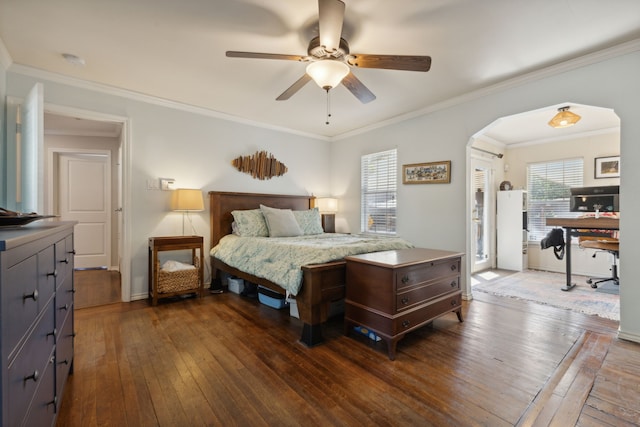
(327, 73)
(186, 199)
(327, 205)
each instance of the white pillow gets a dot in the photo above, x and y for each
(280, 222)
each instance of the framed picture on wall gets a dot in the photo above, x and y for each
(427, 173)
(607, 167)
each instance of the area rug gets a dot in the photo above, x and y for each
(543, 287)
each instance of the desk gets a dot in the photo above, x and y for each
(571, 227)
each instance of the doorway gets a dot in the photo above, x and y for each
(482, 224)
(85, 183)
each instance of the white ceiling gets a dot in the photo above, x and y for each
(175, 50)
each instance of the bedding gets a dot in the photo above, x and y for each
(280, 259)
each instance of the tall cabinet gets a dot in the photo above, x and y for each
(36, 318)
(511, 226)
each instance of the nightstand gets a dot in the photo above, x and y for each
(167, 284)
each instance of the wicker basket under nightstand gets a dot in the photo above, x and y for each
(167, 284)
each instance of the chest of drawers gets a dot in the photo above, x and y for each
(395, 292)
(36, 321)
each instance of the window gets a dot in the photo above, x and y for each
(549, 191)
(378, 188)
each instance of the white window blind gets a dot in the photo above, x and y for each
(378, 192)
(549, 191)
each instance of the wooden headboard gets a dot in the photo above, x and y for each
(221, 204)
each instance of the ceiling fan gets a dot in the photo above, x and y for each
(330, 60)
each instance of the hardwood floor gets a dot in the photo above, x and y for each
(226, 360)
(96, 287)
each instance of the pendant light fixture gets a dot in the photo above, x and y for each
(564, 118)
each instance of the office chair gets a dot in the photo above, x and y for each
(609, 245)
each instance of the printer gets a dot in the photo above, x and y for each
(592, 199)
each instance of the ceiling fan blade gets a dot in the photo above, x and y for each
(391, 62)
(331, 17)
(299, 84)
(235, 54)
(358, 89)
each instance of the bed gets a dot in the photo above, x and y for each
(322, 283)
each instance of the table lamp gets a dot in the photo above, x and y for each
(187, 200)
(328, 206)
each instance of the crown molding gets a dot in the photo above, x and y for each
(553, 70)
(149, 99)
(605, 54)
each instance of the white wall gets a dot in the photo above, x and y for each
(434, 215)
(196, 151)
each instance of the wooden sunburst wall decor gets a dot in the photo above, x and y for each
(261, 165)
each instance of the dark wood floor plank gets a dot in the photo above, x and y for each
(227, 360)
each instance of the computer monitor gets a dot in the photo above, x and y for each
(590, 199)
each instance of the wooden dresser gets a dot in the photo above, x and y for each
(36, 318)
(395, 292)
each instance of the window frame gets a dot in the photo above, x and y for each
(378, 192)
(561, 176)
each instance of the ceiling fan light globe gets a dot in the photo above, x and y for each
(327, 73)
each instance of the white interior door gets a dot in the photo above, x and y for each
(85, 196)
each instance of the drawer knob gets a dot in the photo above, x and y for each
(72, 252)
(73, 291)
(65, 261)
(405, 279)
(33, 295)
(54, 401)
(33, 376)
(454, 302)
(65, 307)
(405, 324)
(405, 300)
(454, 284)
(64, 362)
(54, 332)
(54, 274)
(454, 267)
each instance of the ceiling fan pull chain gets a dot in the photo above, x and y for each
(328, 107)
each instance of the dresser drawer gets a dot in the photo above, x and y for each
(64, 259)
(19, 311)
(64, 304)
(43, 407)
(430, 311)
(419, 294)
(25, 373)
(391, 326)
(64, 355)
(416, 274)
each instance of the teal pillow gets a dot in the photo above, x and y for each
(309, 221)
(250, 223)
